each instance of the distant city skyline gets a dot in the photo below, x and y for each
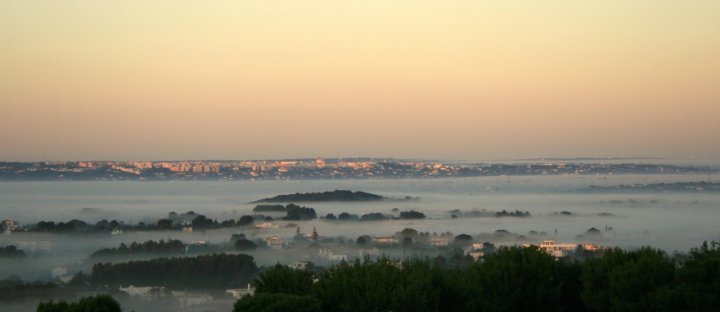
(600, 159)
(320, 168)
(450, 80)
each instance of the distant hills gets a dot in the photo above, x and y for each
(336, 195)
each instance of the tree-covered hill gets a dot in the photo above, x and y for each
(336, 195)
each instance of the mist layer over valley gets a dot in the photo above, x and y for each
(550, 207)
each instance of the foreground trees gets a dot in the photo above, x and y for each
(11, 252)
(626, 280)
(282, 279)
(277, 303)
(216, 271)
(697, 282)
(149, 247)
(102, 303)
(513, 279)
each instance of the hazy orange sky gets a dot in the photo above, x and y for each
(472, 80)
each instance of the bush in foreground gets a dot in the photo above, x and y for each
(102, 303)
(277, 303)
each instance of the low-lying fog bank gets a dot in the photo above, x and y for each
(529, 209)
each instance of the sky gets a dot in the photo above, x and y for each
(456, 80)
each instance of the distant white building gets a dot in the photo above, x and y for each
(439, 241)
(475, 251)
(57, 272)
(373, 252)
(591, 247)
(476, 255)
(10, 226)
(148, 292)
(301, 265)
(275, 242)
(186, 299)
(266, 225)
(557, 250)
(327, 254)
(386, 240)
(238, 293)
(338, 258)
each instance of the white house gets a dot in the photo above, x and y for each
(266, 225)
(186, 299)
(476, 255)
(439, 241)
(148, 292)
(591, 247)
(10, 226)
(475, 251)
(557, 250)
(373, 252)
(275, 242)
(238, 293)
(57, 272)
(327, 254)
(301, 265)
(386, 240)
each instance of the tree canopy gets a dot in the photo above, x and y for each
(101, 303)
(510, 279)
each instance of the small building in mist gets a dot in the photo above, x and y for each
(302, 265)
(8, 226)
(327, 255)
(266, 225)
(187, 299)
(238, 293)
(372, 252)
(476, 251)
(58, 271)
(386, 240)
(147, 292)
(275, 242)
(439, 242)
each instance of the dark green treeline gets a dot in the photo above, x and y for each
(513, 279)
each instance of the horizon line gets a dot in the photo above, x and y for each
(524, 159)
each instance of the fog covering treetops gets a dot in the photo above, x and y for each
(679, 187)
(214, 271)
(336, 195)
(12, 252)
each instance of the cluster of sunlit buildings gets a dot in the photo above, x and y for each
(232, 166)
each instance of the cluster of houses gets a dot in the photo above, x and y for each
(266, 225)
(562, 250)
(438, 241)
(153, 293)
(475, 250)
(426, 241)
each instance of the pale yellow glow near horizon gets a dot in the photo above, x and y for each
(423, 79)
